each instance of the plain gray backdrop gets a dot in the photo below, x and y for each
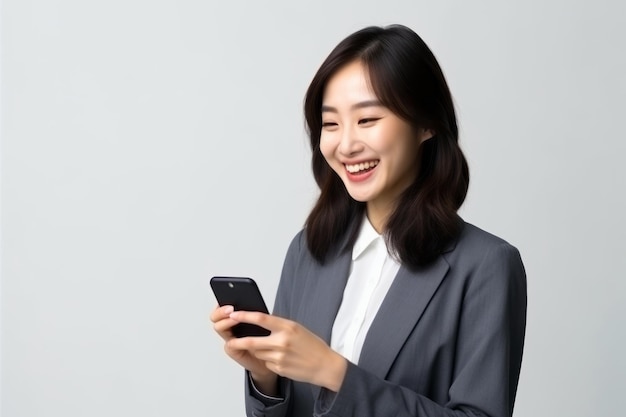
(145, 143)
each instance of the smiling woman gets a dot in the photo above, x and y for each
(389, 304)
(377, 87)
(373, 151)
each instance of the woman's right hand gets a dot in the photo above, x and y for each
(263, 377)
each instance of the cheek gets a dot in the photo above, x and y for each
(382, 139)
(327, 149)
(400, 141)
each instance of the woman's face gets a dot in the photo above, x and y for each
(373, 151)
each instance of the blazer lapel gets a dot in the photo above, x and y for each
(323, 293)
(400, 311)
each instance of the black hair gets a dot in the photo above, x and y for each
(407, 79)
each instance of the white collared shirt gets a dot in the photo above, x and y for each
(371, 275)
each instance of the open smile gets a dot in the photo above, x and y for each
(361, 167)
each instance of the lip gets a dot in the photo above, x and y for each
(359, 177)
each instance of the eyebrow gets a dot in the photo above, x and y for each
(359, 105)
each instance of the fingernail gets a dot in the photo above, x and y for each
(228, 309)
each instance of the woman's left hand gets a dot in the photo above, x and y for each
(291, 350)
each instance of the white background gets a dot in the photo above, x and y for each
(148, 145)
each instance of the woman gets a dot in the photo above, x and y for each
(388, 304)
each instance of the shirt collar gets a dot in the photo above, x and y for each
(367, 235)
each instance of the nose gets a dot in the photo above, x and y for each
(350, 143)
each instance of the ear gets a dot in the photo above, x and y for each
(425, 134)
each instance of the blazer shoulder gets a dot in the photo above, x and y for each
(298, 246)
(299, 240)
(476, 237)
(298, 253)
(474, 243)
(299, 249)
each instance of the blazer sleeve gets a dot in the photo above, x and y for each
(255, 407)
(487, 361)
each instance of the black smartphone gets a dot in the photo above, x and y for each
(242, 294)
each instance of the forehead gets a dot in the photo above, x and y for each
(348, 85)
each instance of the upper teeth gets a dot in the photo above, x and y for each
(360, 167)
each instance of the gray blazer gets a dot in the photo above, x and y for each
(447, 340)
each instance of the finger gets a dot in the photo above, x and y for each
(269, 355)
(221, 313)
(224, 326)
(251, 343)
(264, 320)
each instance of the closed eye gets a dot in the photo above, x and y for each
(329, 125)
(368, 120)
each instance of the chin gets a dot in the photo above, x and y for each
(360, 197)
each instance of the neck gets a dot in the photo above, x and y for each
(378, 215)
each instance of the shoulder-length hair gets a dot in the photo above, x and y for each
(407, 79)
